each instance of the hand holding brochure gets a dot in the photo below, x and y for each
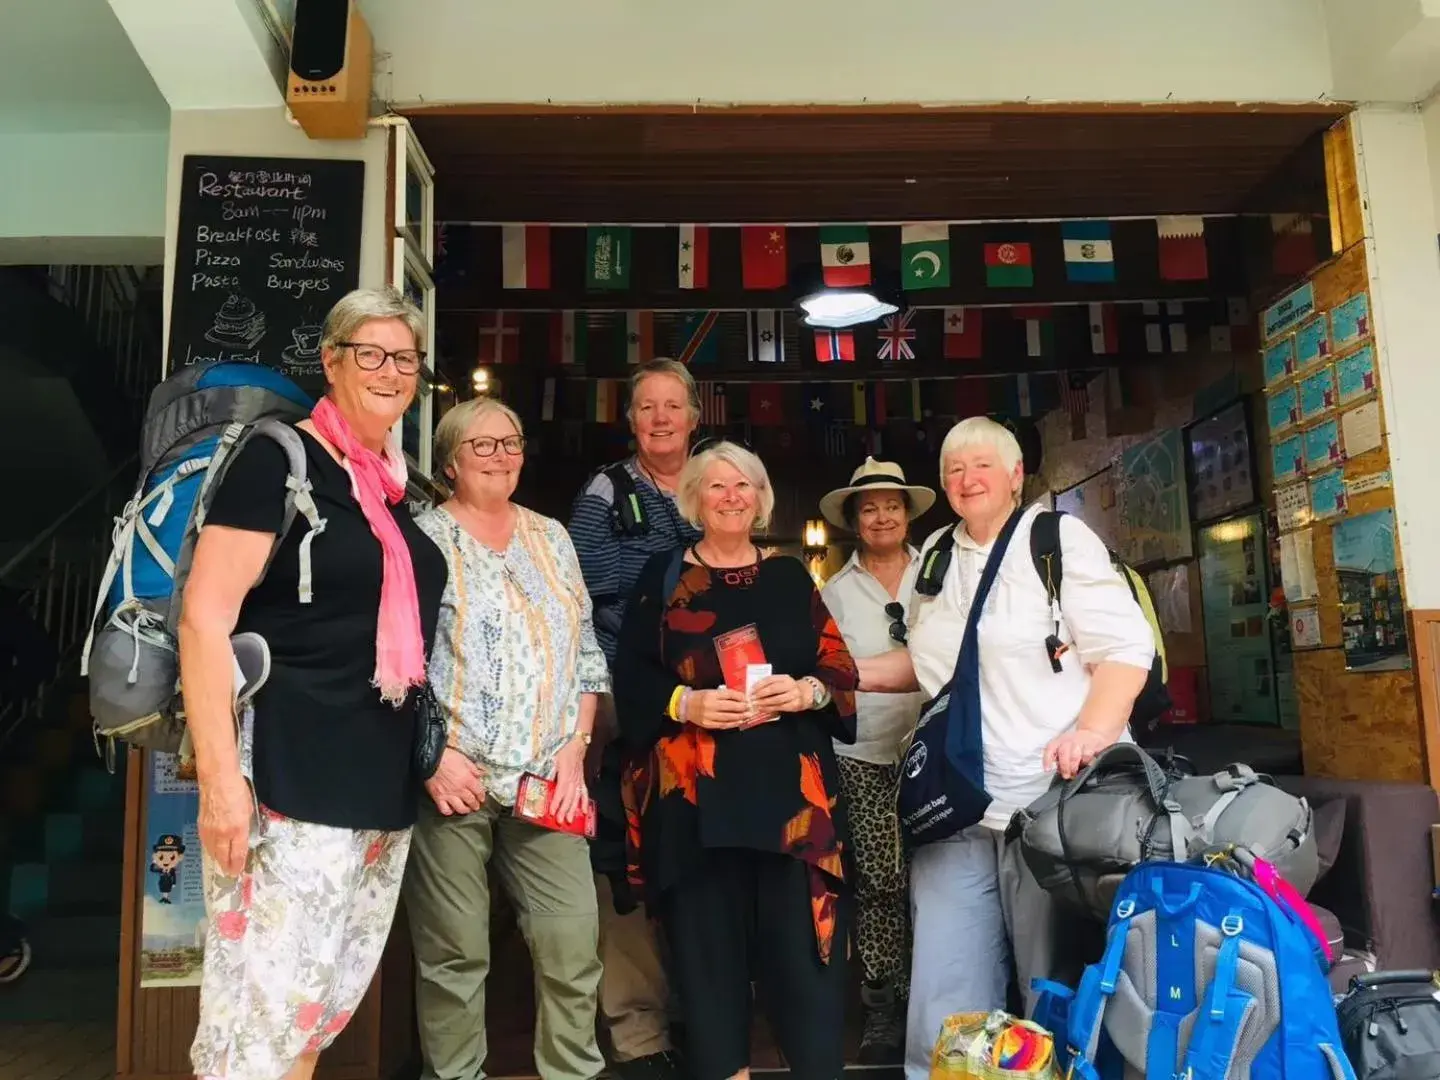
(535, 803)
(742, 662)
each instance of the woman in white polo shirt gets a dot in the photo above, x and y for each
(975, 905)
(868, 599)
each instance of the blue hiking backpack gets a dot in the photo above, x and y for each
(1204, 977)
(196, 423)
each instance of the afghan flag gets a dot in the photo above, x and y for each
(1182, 248)
(569, 337)
(764, 263)
(845, 255)
(525, 255)
(832, 345)
(1039, 329)
(1009, 266)
(607, 257)
(602, 404)
(1104, 334)
(925, 256)
(963, 333)
(693, 257)
(1089, 254)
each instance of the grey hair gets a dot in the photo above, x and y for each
(981, 431)
(450, 432)
(744, 461)
(663, 365)
(355, 309)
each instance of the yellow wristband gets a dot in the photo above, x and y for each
(673, 709)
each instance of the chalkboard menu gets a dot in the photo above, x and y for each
(265, 247)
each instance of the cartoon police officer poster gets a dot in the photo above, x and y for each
(172, 927)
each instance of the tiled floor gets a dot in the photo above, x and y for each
(57, 1051)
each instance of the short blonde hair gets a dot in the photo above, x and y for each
(744, 461)
(450, 432)
(663, 365)
(981, 431)
(355, 309)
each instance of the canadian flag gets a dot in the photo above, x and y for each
(525, 255)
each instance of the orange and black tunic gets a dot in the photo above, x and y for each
(771, 788)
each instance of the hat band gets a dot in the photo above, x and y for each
(880, 478)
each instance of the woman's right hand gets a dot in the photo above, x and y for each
(226, 806)
(717, 710)
(458, 786)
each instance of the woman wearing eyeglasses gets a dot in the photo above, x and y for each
(868, 598)
(517, 673)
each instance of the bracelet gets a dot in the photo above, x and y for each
(683, 713)
(672, 710)
(819, 692)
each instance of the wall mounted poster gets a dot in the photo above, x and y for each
(1328, 498)
(1094, 502)
(1235, 594)
(1288, 459)
(1372, 613)
(1350, 321)
(1312, 342)
(1224, 479)
(1322, 446)
(1355, 375)
(1305, 628)
(1289, 311)
(1292, 507)
(1279, 361)
(1282, 409)
(1317, 394)
(172, 912)
(1360, 428)
(1154, 503)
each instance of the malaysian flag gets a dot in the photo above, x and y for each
(1075, 393)
(713, 411)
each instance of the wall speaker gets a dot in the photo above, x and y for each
(330, 55)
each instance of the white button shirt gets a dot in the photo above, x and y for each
(857, 600)
(1023, 702)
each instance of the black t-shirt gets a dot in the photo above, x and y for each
(327, 749)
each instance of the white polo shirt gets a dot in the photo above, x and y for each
(1023, 702)
(857, 600)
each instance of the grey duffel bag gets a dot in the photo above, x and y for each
(1083, 835)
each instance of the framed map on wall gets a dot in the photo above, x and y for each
(1094, 502)
(1154, 501)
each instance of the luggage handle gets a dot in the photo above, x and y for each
(1154, 777)
(1370, 980)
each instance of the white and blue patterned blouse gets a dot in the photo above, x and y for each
(515, 647)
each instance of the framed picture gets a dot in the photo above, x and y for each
(1222, 463)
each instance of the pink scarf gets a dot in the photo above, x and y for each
(377, 483)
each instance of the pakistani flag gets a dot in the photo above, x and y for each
(607, 257)
(845, 255)
(925, 256)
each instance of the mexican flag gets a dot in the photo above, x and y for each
(925, 256)
(845, 255)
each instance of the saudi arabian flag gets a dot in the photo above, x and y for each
(925, 256)
(607, 257)
(845, 255)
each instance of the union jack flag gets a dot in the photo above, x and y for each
(896, 335)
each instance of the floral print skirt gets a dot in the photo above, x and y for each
(292, 943)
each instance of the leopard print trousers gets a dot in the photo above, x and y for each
(882, 891)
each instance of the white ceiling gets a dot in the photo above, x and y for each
(67, 65)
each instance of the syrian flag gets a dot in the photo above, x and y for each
(845, 255)
(525, 254)
(693, 257)
(1182, 248)
(832, 345)
(1104, 335)
(963, 328)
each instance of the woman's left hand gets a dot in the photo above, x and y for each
(1072, 751)
(780, 693)
(571, 797)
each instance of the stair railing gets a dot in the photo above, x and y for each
(56, 575)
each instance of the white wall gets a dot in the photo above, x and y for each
(1394, 150)
(268, 133)
(850, 51)
(84, 197)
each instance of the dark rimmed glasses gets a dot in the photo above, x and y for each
(373, 357)
(486, 445)
(895, 612)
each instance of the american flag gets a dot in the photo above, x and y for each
(713, 409)
(896, 336)
(1075, 393)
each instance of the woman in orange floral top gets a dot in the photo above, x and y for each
(738, 837)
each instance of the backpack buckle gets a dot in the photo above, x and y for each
(1231, 925)
(1125, 909)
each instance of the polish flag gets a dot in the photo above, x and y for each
(525, 253)
(693, 257)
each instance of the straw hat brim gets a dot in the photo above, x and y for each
(832, 504)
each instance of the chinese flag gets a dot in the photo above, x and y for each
(763, 262)
(767, 404)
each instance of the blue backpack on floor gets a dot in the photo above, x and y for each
(1204, 977)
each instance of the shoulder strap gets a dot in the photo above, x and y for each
(626, 513)
(935, 563)
(299, 498)
(1049, 560)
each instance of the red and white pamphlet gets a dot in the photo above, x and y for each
(743, 664)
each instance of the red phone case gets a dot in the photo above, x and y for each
(534, 803)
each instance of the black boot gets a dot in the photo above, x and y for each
(882, 1041)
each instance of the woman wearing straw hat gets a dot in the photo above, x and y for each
(868, 598)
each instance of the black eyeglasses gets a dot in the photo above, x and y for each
(373, 357)
(485, 445)
(895, 611)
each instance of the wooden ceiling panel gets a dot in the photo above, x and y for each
(798, 165)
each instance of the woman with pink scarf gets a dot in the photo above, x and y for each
(305, 818)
